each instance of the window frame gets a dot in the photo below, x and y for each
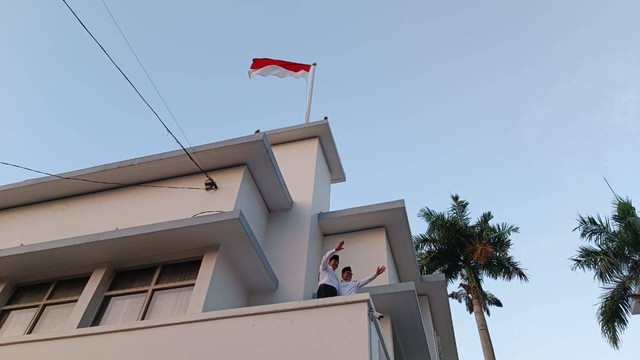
(41, 304)
(148, 290)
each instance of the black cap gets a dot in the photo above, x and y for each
(346, 268)
(335, 257)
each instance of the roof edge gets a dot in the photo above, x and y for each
(253, 151)
(317, 129)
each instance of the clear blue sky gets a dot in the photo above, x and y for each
(520, 107)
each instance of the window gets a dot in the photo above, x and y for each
(150, 293)
(40, 308)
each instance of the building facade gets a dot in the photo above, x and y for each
(162, 268)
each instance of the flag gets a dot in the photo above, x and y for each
(279, 68)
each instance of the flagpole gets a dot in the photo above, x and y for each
(313, 75)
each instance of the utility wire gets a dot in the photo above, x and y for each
(610, 188)
(210, 184)
(148, 76)
(98, 181)
(208, 212)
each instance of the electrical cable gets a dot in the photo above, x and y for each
(148, 76)
(98, 181)
(210, 184)
(208, 212)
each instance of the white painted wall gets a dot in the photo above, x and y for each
(117, 209)
(386, 327)
(392, 270)
(340, 331)
(293, 236)
(377, 343)
(204, 281)
(427, 322)
(320, 203)
(252, 205)
(226, 289)
(364, 251)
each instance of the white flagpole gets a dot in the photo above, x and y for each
(313, 75)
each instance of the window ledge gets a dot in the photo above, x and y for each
(229, 230)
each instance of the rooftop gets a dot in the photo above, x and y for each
(253, 151)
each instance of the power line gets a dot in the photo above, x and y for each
(147, 73)
(610, 188)
(98, 181)
(210, 184)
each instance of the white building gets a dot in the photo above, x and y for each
(104, 271)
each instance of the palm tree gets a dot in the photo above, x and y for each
(468, 253)
(613, 254)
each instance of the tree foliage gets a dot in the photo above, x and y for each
(468, 253)
(613, 254)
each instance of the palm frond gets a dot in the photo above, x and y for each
(595, 229)
(628, 223)
(491, 300)
(459, 210)
(463, 298)
(614, 311)
(606, 263)
(623, 210)
(505, 267)
(500, 236)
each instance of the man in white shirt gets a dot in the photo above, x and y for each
(348, 286)
(328, 282)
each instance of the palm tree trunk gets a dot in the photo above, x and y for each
(483, 329)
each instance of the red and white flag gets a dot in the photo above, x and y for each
(279, 68)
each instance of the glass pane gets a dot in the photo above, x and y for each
(29, 294)
(53, 318)
(120, 309)
(69, 288)
(179, 272)
(133, 279)
(15, 322)
(169, 303)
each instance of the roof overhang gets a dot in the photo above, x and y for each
(317, 129)
(390, 215)
(434, 286)
(229, 230)
(254, 151)
(400, 302)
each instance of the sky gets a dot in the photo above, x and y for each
(519, 107)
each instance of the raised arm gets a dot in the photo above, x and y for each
(370, 278)
(325, 259)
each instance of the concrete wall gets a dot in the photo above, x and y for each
(386, 328)
(293, 237)
(320, 203)
(427, 322)
(364, 251)
(253, 207)
(377, 343)
(392, 271)
(285, 331)
(118, 209)
(226, 289)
